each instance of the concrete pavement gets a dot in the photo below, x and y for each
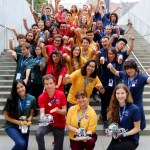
(6, 143)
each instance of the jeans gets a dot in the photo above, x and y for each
(21, 140)
(58, 136)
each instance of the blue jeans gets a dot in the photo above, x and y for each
(21, 140)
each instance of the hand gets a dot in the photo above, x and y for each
(102, 60)
(42, 45)
(54, 110)
(109, 66)
(40, 63)
(131, 38)
(25, 81)
(57, 86)
(67, 76)
(120, 59)
(119, 136)
(115, 35)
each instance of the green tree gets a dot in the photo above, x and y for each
(37, 4)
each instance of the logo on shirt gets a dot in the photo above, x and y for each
(86, 117)
(91, 80)
(57, 101)
(126, 113)
(28, 102)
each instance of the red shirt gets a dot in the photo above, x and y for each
(58, 100)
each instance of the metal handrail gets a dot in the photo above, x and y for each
(2, 29)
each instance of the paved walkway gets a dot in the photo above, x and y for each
(6, 143)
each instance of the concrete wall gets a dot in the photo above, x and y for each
(139, 15)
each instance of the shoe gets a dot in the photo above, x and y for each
(105, 125)
(96, 98)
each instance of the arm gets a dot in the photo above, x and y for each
(100, 88)
(31, 115)
(43, 9)
(12, 120)
(11, 44)
(25, 24)
(148, 80)
(51, 6)
(111, 40)
(15, 32)
(115, 9)
(13, 53)
(97, 6)
(59, 81)
(27, 75)
(129, 26)
(113, 70)
(44, 52)
(66, 79)
(61, 111)
(42, 113)
(129, 50)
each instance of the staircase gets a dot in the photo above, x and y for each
(7, 69)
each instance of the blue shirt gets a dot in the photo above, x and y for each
(130, 115)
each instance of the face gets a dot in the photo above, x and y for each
(47, 12)
(120, 45)
(47, 23)
(63, 27)
(57, 42)
(99, 25)
(68, 17)
(64, 14)
(34, 29)
(90, 36)
(30, 36)
(85, 7)
(52, 18)
(66, 39)
(76, 51)
(85, 44)
(104, 42)
(130, 72)
(25, 51)
(84, 20)
(41, 25)
(55, 58)
(54, 32)
(38, 51)
(121, 96)
(108, 30)
(74, 8)
(21, 90)
(21, 41)
(113, 18)
(82, 101)
(49, 85)
(111, 56)
(90, 68)
(61, 7)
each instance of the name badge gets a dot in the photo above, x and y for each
(110, 83)
(18, 76)
(133, 84)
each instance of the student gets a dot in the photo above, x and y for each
(53, 102)
(108, 80)
(18, 104)
(127, 115)
(83, 79)
(25, 63)
(37, 73)
(135, 81)
(88, 121)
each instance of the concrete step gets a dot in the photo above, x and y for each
(8, 68)
(6, 82)
(6, 58)
(7, 63)
(5, 88)
(6, 77)
(7, 72)
(4, 94)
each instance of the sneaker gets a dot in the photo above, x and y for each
(105, 125)
(96, 98)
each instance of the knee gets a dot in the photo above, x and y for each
(21, 144)
(39, 134)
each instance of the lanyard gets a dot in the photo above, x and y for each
(131, 81)
(22, 103)
(81, 116)
(51, 102)
(85, 55)
(23, 62)
(122, 114)
(85, 82)
(37, 59)
(75, 65)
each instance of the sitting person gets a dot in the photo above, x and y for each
(82, 116)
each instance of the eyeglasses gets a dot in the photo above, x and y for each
(93, 67)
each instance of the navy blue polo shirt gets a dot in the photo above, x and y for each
(130, 115)
(103, 53)
(136, 86)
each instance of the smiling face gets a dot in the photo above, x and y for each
(21, 90)
(111, 56)
(82, 101)
(76, 51)
(49, 85)
(121, 96)
(130, 72)
(30, 36)
(55, 58)
(90, 68)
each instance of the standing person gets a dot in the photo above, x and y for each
(53, 102)
(88, 121)
(83, 79)
(127, 115)
(108, 80)
(135, 81)
(18, 104)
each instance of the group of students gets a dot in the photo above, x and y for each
(72, 54)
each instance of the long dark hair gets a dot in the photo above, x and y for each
(83, 69)
(12, 101)
(113, 113)
(61, 62)
(78, 57)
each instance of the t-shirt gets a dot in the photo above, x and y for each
(58, 100)
(130, 115)
(79, 83)
(24, 109)
(89, 119)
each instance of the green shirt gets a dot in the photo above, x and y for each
(24, 109)
(23, 63)
(36, 74)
